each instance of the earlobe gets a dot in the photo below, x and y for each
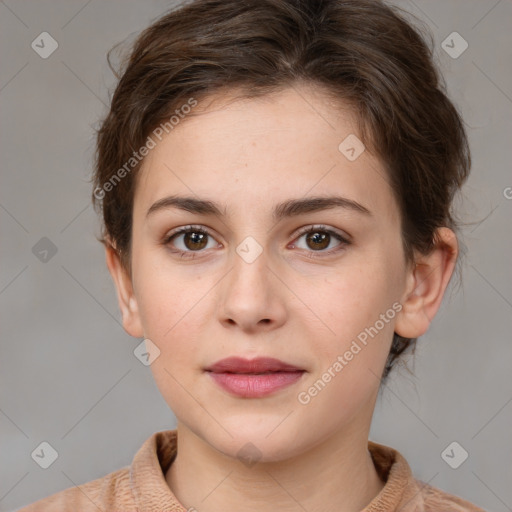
(426, 284)
(125, 295)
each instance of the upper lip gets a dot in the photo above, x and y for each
(258, 365)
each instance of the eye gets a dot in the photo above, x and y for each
(319, 237)
(194, 239)
(190, 239)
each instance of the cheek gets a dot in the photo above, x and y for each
(351, 354)
(170, 309)
(357, 305)
(352, 300)
(172, 314)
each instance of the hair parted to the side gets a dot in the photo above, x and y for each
(362, 52)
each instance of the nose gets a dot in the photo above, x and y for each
(252, 297)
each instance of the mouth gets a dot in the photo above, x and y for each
(254, 378)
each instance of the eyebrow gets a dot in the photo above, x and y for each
(289, 208)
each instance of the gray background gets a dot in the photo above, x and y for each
(67, 369)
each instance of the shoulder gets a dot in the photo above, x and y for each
(111, 490)
(140, 486)
(436, 499)
(404, 493)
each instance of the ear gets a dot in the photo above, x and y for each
(125, 296)
(426, 284)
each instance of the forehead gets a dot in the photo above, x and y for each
(247, 153)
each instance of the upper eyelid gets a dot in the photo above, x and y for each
(323, 227)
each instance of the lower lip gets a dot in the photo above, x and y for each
(255, 386)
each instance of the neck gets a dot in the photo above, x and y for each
(336, 475)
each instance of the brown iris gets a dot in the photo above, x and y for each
(319, 239)
(197, 240)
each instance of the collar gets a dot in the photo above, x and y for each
(152, 494)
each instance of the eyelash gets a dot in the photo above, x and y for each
(308, 229)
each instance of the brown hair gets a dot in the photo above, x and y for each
(363, 52)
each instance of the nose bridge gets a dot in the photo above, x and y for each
(250, 268)
(249, 295)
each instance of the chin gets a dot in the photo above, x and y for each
(256, 442)
(252, 449)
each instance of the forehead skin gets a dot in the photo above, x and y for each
(250, 154)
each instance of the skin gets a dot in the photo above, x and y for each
(250, 155)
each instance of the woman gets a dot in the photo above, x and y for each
(275, 179)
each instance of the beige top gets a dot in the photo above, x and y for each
(142, 486)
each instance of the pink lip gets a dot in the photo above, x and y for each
(253, 378)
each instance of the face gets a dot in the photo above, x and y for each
(260, 279)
